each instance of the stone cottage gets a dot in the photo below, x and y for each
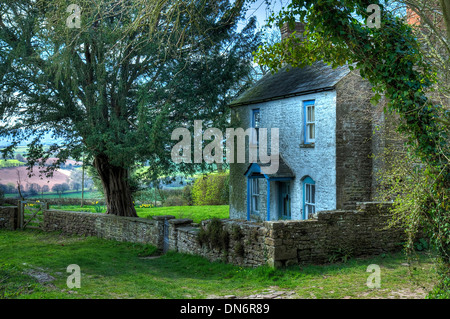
(326, 142)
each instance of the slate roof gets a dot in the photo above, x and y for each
(297, 81)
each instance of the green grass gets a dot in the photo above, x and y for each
(111, 269)
(196, 213)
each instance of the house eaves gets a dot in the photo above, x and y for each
(290, 82)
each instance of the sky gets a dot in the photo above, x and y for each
(262, 9)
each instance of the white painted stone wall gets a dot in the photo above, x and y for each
(319, 162)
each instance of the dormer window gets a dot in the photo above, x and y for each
(310, 122)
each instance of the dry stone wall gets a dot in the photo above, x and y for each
(129, 229)
(245, 243)
(8, 217)
(333, 235)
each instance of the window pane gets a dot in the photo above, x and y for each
(256, 119)
(312, 113)
(307, 192)
(309, 210)
(313, 194)
(311, 131)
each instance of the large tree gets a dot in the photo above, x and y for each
(116, 77)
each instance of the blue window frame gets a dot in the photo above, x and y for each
(256, 124)
(309, 120)
(254, 192)
(309, 197)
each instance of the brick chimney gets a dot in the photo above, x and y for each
(286, 31)
(412, 18)
(433, 13)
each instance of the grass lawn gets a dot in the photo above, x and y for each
(196, 213)
(110, 269)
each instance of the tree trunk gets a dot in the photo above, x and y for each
(116, 188)
(445, 6)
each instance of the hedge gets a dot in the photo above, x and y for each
(212, 189)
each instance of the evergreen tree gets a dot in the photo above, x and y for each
(113, 78)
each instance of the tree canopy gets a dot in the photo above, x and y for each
(116, 87)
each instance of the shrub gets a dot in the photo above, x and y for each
(236, 233)
(150, 195)
(214, 235)
(187, 194)
(175, 201)
(211, 190)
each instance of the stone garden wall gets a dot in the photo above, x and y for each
(8, 217)
(243, 242)
(129, 229)
(332, 236)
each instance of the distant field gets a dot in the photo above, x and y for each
(87, 195)
(10, 163)
(22, 150)
(10, 175)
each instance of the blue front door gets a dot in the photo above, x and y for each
(285, 200)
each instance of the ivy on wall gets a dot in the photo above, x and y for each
(390, 58)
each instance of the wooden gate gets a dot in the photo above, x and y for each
(31, 214)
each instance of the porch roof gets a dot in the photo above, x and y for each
(284, 171)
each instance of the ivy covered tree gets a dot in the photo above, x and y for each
(113, 78)
(391, 58)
